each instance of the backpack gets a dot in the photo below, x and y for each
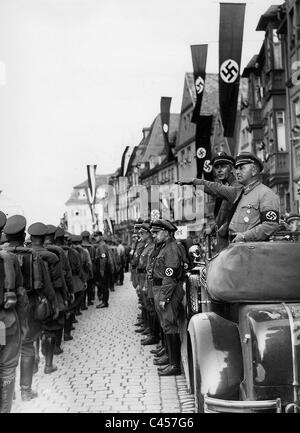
(7, 276)
(30, 267)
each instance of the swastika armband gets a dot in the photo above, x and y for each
(270, 216)
(169, 272)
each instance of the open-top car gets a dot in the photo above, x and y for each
(241, 335)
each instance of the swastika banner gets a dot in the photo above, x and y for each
(165, 103)
(230, 50)
(199, 55)
(203, 147)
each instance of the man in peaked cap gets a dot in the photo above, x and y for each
(66, 278)
(38, 232)
(13, 316)
(166, 274)
(90, 292)
(148, 310)
(103, 268)
(223, 166)
(137, 247)
(35, 283)
(254, 215)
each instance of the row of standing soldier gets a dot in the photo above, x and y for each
(158, 267)
(43, 286)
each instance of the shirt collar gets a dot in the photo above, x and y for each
(251, 186)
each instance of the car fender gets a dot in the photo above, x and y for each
(217, 356)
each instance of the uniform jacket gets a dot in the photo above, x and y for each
(167, 268)
(257, 208)
(44, 285)
(53, 266)
(13, 282)
(144, 256)
(137, 252)
(104, 262)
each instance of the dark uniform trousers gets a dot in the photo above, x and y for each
(168, 316)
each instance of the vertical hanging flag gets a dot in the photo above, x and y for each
(165, 103)
(230, 50)
(91, 190)
(199, 55)
(203, 147)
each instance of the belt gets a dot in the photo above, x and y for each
(157, 281)
(141, 271)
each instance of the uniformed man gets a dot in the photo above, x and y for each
(90, 292)
(60, 241)
(104, 267)
(87, 267)
(167, 289)
(255, 210)
(37, 283)
(148, 309)
(13, 318)
(67, 283)
(137, 246)
(38, 232)
(223, 166)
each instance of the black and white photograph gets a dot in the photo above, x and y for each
(149, 209)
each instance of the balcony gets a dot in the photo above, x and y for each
(278, 168)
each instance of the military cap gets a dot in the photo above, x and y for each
(67, 235)
(248, 158)
(175, 228)
(138, 223)
(98, 233)
(60, 233)
(38, 229)
(292, 217)
(161, 224)
(51, 229)
(222, 158)
(14, 224)
(145, 227)
(3, 219)
(85, 234)
(76, 238)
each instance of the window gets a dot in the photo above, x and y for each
(188, 154)
(296, 111)
(297, 156)
(292, 26)
(276, 50)
(280, 124)
(268, 54)
(182, 156)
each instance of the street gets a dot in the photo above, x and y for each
(105, 368)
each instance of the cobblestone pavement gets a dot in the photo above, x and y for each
(106, 369)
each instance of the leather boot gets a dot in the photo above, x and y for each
(67, 329)
(26, 374)
(161, 352)
(163, 360)
(146, 331)
(57, 349)
(149, 340)
(49, 352)
(7, 388)
(173, 368)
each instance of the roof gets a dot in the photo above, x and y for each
(271, 15)
(101, 179)
(154, 142)
(252, 66)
